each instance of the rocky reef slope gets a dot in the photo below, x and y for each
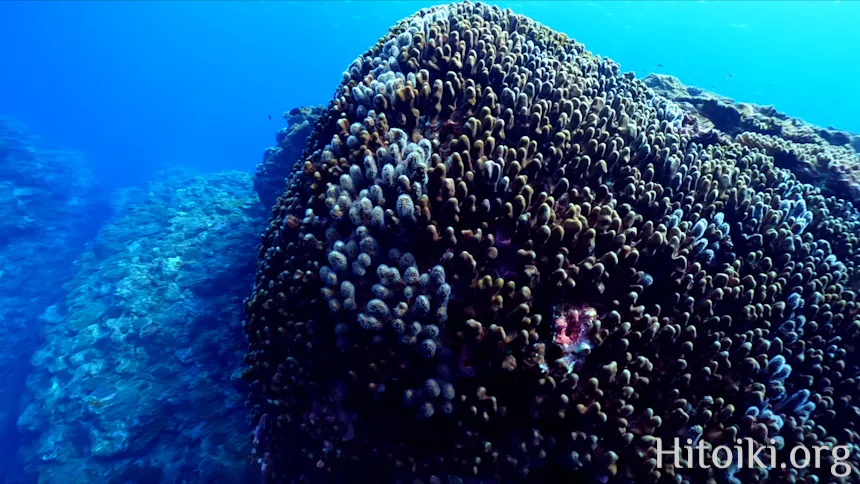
(49, 205)
(137, 379)
(271, 175)
(501, 258)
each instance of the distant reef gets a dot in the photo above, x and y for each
(50, 204)
(824, 157)
(138, 377)
(290, 141)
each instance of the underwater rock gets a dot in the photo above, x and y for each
(50, 204)
(140, 373)
(500, 258)
(825, 157)
(271, 175)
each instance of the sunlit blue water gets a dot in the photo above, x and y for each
(137, 85)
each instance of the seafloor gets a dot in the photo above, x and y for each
(130, 313)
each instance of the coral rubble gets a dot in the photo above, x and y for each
(49, 205)
(500, 258)
(136, 382)
(271, 175)
(824, 157)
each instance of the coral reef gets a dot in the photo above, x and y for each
(271, 175)
(500, 258)
(136, 380)
(825, 157)
(49, 205)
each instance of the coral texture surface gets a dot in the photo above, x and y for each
(502, 259)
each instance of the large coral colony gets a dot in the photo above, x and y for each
(501, 259)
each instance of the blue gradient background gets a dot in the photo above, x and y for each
(142, 85)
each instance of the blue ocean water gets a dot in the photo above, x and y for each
(163, 109)
(139, 85)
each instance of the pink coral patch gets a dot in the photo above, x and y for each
(571, 328)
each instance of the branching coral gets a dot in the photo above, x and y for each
(482, 196)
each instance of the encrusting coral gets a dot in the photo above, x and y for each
(501, 259)
(825, 157)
